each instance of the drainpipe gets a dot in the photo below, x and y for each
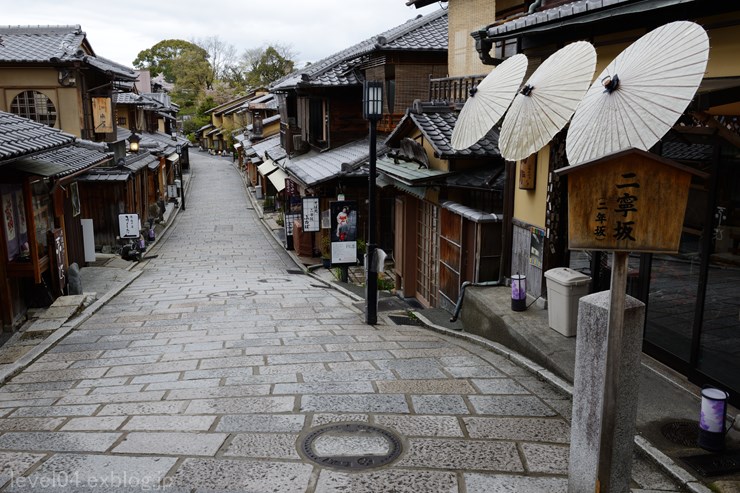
(464, 285)
(534, 7)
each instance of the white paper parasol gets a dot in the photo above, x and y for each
(488, 102)
(547, 101)
(641, 93)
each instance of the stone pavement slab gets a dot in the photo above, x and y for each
(210, 368)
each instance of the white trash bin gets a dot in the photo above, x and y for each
(564, 288)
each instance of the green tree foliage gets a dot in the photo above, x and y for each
(162, 57)
(266, 65)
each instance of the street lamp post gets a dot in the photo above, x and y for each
(373, 110)
(133, 142)
(178, 149)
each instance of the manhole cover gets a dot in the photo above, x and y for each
(684, 433)
(715, 464)
(351, 446)
(236, 293)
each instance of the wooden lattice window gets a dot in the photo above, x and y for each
(35, 106)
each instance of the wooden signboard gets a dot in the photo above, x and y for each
(528, 173)
(102, 112)
(631, 201)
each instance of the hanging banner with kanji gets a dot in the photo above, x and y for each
(102, 115)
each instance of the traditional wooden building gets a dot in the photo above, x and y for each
(52, 75)
(691, 319)
(448, 209)
(42, 232)
(322, 128)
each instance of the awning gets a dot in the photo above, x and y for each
(474, 215)
(267, 167)
(36, 167)
(277, 178)
(237, 145)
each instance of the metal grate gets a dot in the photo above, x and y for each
(685, 433)
(715, 464)
(403, 320)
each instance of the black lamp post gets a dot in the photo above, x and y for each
(372, 110)
(133, 142)
(178, 149)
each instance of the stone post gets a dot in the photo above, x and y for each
(588, 430)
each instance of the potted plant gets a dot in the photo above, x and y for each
(361, 250)
(326, 251)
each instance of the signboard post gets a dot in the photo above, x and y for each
(630, 201)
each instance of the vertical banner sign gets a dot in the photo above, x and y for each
(291, 215)
(311, 215)
(291, 188)
(343, 232)
(102, 112)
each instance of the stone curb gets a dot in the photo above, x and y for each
(678, 473)
(48, 343)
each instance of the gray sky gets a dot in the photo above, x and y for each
(120, 30)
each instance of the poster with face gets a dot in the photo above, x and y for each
(343, 232)
(344, 220)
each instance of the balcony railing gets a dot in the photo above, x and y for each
(454, 90)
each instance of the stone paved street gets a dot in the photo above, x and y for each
(210, 368)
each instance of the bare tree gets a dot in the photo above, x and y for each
(221, 55)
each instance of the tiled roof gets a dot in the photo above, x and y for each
(424, 33)
(276, 153)
(488, 178)
(314, 167)
(104, 175)
(41, 44)
(261, 146)
(66, 160)
(20, 136)
(683, 151)
(135, 162)
(54, 44)
(166, 142)
(610, 14)
(127, 98)
(437, 127)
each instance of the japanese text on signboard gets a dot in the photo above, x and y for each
(311, 214)
(615, 218)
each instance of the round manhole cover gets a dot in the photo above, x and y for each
(351, 446)
(243, 293)
(685, 433)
